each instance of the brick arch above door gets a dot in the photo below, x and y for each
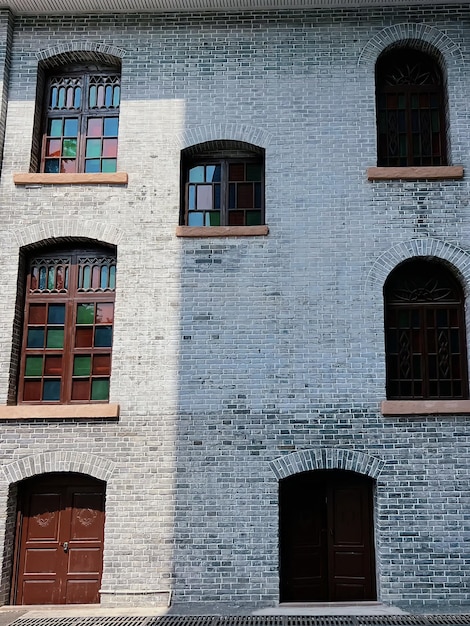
(60, 461)
(327, 458)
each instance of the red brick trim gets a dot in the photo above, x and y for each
(221, 231)
(448, 172)
(64, 411)
(425, 407)
(116, 178)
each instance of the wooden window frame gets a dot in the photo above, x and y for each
(84, 113)
(70, 298)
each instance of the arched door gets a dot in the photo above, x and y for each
(59, 540)
(326, 537)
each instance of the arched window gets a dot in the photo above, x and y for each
(81, 119)
(223, 184)
(410, 107)
(425, 339)
(68, 326)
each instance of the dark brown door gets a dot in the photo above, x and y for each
(326, 537)
(59, 546)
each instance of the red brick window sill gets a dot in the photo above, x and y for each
(114, 178)
(437, 172)
(425, 407)
(221, 231)
(59, 412)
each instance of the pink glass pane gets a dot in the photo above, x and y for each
(67, 166)
(110, 147)
(54, 147)
(96, 277)
(95, 127)
(204, 197)
(104, 313)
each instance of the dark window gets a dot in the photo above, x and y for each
(410, 110)
(80, 132)
(425, 339)
(68, 327)
(223, 188)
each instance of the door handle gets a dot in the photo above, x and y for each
(65, 545)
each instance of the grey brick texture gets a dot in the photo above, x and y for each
(240, 361)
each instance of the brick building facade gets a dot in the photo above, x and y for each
(246, 353)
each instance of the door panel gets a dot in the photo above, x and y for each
(326, 545)
(60, 533)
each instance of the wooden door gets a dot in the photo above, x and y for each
(59, 540)
(326, 537)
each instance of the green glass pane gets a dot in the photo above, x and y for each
(56, 314)
(93, 148)
(55, 338)
(92, 96)
(33, 366)
(112, 277)
(35, 338)
(51, 166)
(85, 313)
(82, 365)
(51, 390)
(196, 174)
(253, 218)
(55, 128)
(108, 165)
(213, 219)
(92, 166)
(100, 389)
(253, 172)
(71, 127)
(69, 148)
(103, 336)
(111, 125)
(116, 96)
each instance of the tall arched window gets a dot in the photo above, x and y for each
(425, 338)
(410, 107)
(68, 326)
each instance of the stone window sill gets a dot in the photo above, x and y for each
(31, 180)
(448, 172)
(59, 412)
(425, 407)
(221, 231)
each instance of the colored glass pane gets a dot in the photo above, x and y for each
(95, 127)
(216, 196)
(69, 148)
(84, 337)
(253, 218)
(85, 313)
(35, 338)
(213, 173)
(108, 98)
(93, 148)
(100, 389)
(192, 197)
(42, 277)
(55, 128)
(92, 93)
(103, 336)
(32, 391)
(236, 218)
(61, 98)
(71, 127)
(110, 147)
(77, 98)
(111, 126)
(56, 314)
(213, 218)
(92, 166)
(82, 365)
(231, 196)
(96, 277)
(53, 98)
(53, 148)
(116, 96)
(80, 390)
(104, 277)
(196, 219)
(51, 390)
(112, 277)
(68, 166)
(253, 172)
(51, 166)
(51, 278)
(245, 199)
(108, 165)
(53, 365)
(196, 174)
(102, 364)
(55, 338)
(104, 313)
(236, 171)
(33, 366)
(204, 197)
(37, 314)
(258, 195)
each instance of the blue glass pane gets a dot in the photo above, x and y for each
(111, 125)
(51, 166)
(61, 97)
(92, 96)
(112, 278)
(103, 336)
(42, 277)
(92, 166)
(192, 197)
(35, 338)
(71, 127)
(51, 390)
(196, 219)
(213, 174)
(53, 97)
(56, 314)
(196, 174)
(116, 96)
(216, 196)
(55, 128)
(108, 99)
(104, 277)
(78, 97)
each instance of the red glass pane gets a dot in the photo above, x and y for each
(102, 364)
(54, 147)
(32, 390)
(96, 277)
(37, 314)
(53, 366)
(245, 199)
(110, 147)
(236, 218)
(236, 171)
(67, 166)
(81, 390)
(95, 127)
(84, 337)
(104, 313)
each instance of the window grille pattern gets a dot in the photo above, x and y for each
(82, 122)
(426, 353)
(68, 328)
(410, 110)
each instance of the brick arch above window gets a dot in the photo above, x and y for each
(223, 131)
(327, 458)
(50, 232)
(80, 52)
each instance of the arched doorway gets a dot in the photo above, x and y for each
(326, 537)
(59, 540)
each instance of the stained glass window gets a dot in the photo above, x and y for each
(410, 109)
(82, 121)
(224, 188)
(425, 341)
(68, 328)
